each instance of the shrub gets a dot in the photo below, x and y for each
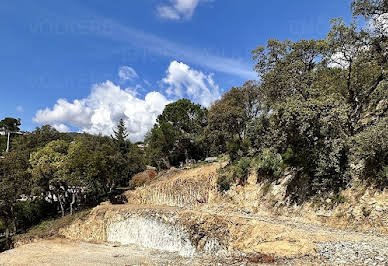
(224, 183)
(268, 164)
(237, 148)
(31, 212)
(141, 179)
(370, 148)
(241, 170)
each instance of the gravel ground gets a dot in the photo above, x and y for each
(355, 253)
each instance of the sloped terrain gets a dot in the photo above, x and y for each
(181, 213)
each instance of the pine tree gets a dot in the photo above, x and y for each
(120, 137)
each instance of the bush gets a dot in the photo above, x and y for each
(268, 164)
(237, 148)
(224, 183)
(241, 170)
(370, 149)
(31, 212)
(141, 179)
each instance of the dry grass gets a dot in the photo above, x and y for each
(142, 179)
(181, 188)
(48, 229)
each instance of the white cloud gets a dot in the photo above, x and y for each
(380, 23)
(178, 9)
(182, 81)
(103, 108)
(127, 73)
(338, 60)
(19, 108)
(107, 103)
(61, 127)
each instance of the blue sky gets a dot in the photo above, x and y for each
(82, 65)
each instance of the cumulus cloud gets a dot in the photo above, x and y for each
(103, 108)
(178, 9)
(107, 103)
(61, 127)
(127, 73)
(183, 81)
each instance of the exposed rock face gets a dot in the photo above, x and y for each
(162, 228)
(151, 233)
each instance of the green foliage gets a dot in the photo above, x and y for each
(3, 143)
(10, 124)
(230, 116)
(268, 164)
(233, 149)
(31, 212)
(241, 170)
(120, 137)
(14, 181)
(2, 226)
(370, 148)
(177, 135)
(224, 183)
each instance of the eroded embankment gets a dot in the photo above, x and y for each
(190, 232)
(359, 208)
(162, 228)
(180, 188)
(181, 211)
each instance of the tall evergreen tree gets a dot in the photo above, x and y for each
(120, 137)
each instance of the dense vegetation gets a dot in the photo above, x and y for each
(47, 172)
(319, 107)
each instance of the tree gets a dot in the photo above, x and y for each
(160, 144)
(369, 8)
(14, 182)
(370, 147)
(9, 125)
(130, 161)
(322, 94)
(120, 137)
(177, 134)
(48, 171)
(229, 117)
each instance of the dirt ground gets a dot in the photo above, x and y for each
(65, 252)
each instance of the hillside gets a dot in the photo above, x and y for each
(182, 212)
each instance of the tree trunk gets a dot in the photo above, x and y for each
(14, 221)
(167, 163)
(7, 234)
(186, 156)
(61, 205)
(72, 203)
(8, 139)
